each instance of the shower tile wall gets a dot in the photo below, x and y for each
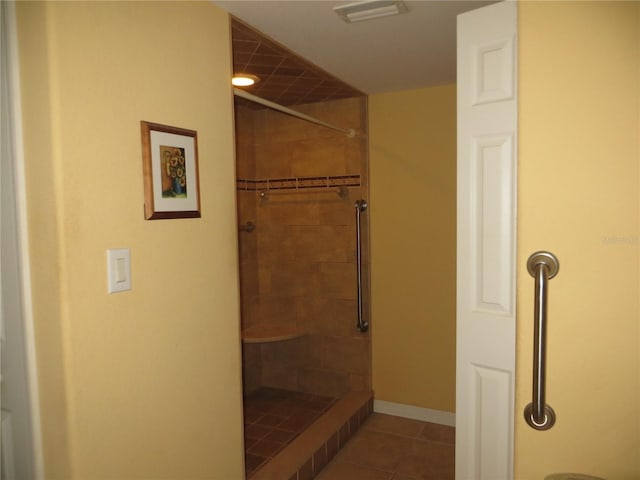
(298, 266)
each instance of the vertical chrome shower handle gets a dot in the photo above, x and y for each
(361, 206)
(542, 266)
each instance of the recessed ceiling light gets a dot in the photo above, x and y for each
(244, 80)
(369, 9)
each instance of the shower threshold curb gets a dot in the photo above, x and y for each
(308, 454)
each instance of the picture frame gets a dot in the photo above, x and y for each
(170, 171)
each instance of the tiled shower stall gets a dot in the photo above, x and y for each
(298, 266)
(297, 186)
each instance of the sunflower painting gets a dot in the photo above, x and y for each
(170, 171)
(173, 172)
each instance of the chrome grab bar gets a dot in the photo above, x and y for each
(542, 266)
(361, 206)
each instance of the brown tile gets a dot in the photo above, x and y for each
(347, 110)
(248, 259)
(245, 160)
(355, 152)
(311, 413)
(247, 209)
(375, 450)
(306, 471)
(349, 354)
(337, 280)
(354, 423)
(281, 436)
(295, 279)
(327, 316)
(293, 209)
(319, 459)
(253, 52)
(304, 446)
(274, 244)
(438, 433)
(264, 280)
(283, 133)
(397, 425)
(249, 442)
(286, 352)
(348, 471)
(428, 460)
(272, 161)
(332, 446)
(364, 412)
(322, 243)
(283, 409)
(337, 211)
(343, 435)
(323, 382)
(298, 409)
(252, 415)
(279, 375)
(270, 421)
(265, 448)
(252, 462)
(256, 431)
(317, 157)
(295, 423)
(373, 454)
(318, 403)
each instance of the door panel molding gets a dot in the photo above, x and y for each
(486, 245)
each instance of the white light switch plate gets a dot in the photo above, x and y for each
(119, 269)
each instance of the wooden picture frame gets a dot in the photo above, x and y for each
(170, 171)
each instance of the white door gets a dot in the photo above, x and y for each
(17, 448)
(486, 248)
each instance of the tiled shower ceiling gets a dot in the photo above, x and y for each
(285, 78)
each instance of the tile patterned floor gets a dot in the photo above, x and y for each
(395, 448)
(273, 418)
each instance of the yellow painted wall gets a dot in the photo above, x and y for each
(146, 383)
(413, 237)
(579, 185)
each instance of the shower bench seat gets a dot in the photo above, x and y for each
(270, 333)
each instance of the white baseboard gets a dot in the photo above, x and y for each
(416, 413)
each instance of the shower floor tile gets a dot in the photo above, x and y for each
(273, 418)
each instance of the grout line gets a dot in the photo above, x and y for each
(266, 406)
(408, 437)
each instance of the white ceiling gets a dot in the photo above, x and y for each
(412, 50)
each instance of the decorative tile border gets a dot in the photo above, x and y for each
(297, 183)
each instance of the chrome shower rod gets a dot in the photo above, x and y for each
(350, 132)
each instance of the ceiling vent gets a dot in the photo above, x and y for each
(369, 9)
